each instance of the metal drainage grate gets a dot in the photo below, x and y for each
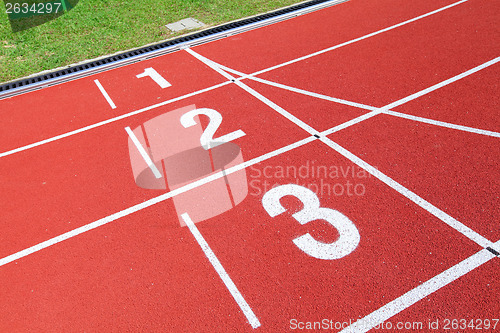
(5, 90)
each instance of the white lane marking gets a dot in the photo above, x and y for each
(254, 93)
(155, 76)
(356, 39)
(240, 300)
(413, 296)
(36, 144)
(450, 221)
(441, 84)
(210, 64)
(143, 153)
(288, 115)
(350, 122)
(277, 108)
(313, 94)
(105, 94)
(432, 88)
(373, 108)
(460, 227)
(376, 110)
(443, 124)
(150, 202)
(111, 120)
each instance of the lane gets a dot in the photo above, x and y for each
(472, 102)
(456, 171)
(474, 297)
(69, 183)
(52, 111)
(400, 244)
(387, 67)
(275, 44)
(136, 275)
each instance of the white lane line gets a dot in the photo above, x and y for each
(150, 202)
(316, 95)
(111, 120)
(209, 63)
(216, 67)
(425, 91)
(356, 39)
(458, 226)
(58, 137)
(351, 122)
(277, 108)
(240, 300)
(443, 124)
(143, 153)
(254, 93)
(288, 115)
(384, 109)
(373, 108)
(413, 296)
(450, 221)
(442, 84)
(105, 94)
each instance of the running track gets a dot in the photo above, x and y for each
(397, 99)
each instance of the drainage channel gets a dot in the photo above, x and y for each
(104, 64)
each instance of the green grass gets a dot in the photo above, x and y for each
(99, 27)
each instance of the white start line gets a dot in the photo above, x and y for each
(133, 113)
(380, 315)
(458, 226)
(240, 300)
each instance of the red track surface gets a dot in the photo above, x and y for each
(423, 193)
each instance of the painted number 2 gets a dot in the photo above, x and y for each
(207, 139)
(348, 233)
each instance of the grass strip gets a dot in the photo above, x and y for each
(94, 28)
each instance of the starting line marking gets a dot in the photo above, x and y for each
(252, 319)
(450, 221)
(413, 296)
(373, 108)
(143, 153)
(150, 202)
(105, 94)
(111, 120)
(355, 40)
(254, 93)
(86, 128)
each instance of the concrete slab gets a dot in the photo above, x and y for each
(185, 24)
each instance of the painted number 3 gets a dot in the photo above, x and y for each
(348, 233)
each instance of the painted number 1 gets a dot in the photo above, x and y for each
(348, 233)
(207, 139)
(152, 73)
